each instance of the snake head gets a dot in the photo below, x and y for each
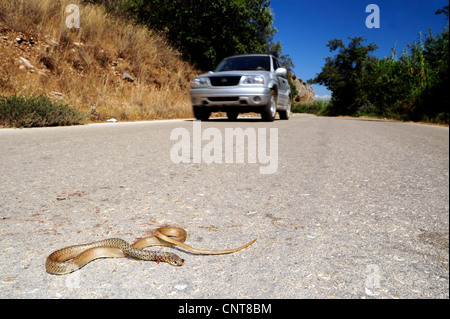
(177, 262)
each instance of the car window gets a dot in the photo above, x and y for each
(245, 63)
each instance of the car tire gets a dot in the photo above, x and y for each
(201, 113)
(284, 115)
(270, 110)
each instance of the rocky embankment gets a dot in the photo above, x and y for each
(305, 92)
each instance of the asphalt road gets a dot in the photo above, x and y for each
(353, 208)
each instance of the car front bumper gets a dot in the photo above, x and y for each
(218, 98)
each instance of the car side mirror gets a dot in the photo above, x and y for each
(281, 72)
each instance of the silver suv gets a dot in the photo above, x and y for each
(243, 83)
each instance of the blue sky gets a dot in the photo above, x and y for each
(305, 27)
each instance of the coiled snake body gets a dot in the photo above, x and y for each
(72, 258)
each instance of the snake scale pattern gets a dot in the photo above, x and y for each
(115, 247)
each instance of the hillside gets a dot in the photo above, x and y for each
(107, 68)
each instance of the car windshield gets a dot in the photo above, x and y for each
(245, 63)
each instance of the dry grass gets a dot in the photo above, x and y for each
(86, 65)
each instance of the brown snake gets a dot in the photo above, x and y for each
(70, 259)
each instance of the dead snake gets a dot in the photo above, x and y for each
(72, 258)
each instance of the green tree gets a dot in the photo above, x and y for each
(206, 31)
(342, 72)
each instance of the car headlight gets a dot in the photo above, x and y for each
(252, 79)
(200, 81)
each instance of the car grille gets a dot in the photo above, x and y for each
(224, 80)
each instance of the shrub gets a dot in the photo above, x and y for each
(33, 111)
(315, 107)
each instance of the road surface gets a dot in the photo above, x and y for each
(352, 208)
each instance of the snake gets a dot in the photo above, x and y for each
(73, 258)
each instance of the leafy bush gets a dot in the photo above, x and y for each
(316, 107)
(32, 111)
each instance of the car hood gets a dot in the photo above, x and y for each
(234, 73)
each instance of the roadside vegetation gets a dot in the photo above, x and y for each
(411, 85)
(316, 107)
(31, 111)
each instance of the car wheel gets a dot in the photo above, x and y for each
(270, 110)
(284, 115)
(201, 113)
